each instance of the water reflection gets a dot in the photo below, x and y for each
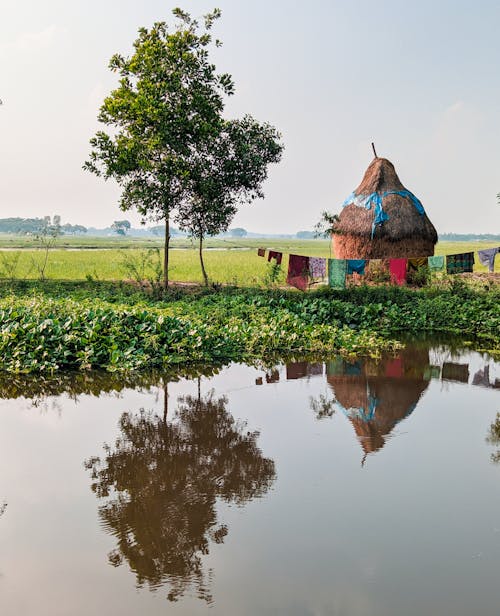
(38, 388)
(377, 395)
(493, 438)
(161, 481)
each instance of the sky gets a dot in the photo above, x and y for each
(421, 80)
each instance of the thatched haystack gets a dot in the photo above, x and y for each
(377, 222)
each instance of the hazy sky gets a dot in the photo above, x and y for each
(421, 79)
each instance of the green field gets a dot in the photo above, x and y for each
(227, 261)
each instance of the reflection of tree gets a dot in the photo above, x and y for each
(322, 406)
(164, 478)
(493, 438)
(94, 382)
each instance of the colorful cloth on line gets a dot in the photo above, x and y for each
(261, 252)
(298, 272)
(436, 263)
(455, 372)
(317, 267)
(416, 262)
(337, 270)
(432, 372)
(397, 268)
(356, 266)
(394, 368)
(487, 257)
(275, 255)
(457, 264)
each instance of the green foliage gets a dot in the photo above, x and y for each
(120, 227)
(273, 275)
(325, 227)
(166, 108)
(45, 240)
(144, 267)
(126, 330)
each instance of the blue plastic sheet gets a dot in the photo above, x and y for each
(375, 199)
(361, 413)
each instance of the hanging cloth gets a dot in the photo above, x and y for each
(436, 263)
(432, 372)
(317, 267)
(455, 372)
(397, 269)
(261, 252)
(337, 269)
(487, 257)
(298, 272)
(417, 262)
(458, 264)
(356, 266)
(275, 255)
(394, 368)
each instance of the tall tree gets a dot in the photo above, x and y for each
(227, 172)
(167, 106)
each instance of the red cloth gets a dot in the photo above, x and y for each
(397, 268)
(275, 255)
(394, 368)
(298, 272)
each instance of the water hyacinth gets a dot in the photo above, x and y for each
(70, 329)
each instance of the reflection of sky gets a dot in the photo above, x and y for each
(416, 531)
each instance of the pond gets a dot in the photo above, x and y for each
(361, 487)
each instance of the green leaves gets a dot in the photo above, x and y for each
(168, 104)
(129, 332)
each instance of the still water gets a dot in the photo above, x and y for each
(331, 487)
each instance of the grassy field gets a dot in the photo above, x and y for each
(227, 261)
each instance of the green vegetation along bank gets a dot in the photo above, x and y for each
(82, 326)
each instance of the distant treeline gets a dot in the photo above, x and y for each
(32, 226)
(469, 237)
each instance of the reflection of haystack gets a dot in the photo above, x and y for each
(382, 395)
(395, 229)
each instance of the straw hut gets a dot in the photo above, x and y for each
(382, 219)
(382, 395)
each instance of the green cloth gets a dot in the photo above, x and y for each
(337, 269)
(432, 372)
(436, 264)
(457, 264)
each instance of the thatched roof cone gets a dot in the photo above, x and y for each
(406, 232)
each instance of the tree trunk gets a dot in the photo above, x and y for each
(203, 271)
(165, 257)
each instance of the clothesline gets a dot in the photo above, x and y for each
(302, 269)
